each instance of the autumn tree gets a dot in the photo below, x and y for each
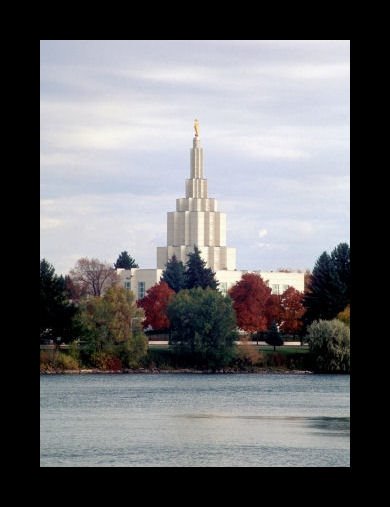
(93, 277)
(345, 315)
(174, 274)
(125, 261)
(111, 324)
(56, 310)
(196, 274)
(203, 326)
(250, 296)
(155, 304)
(291, 311)
(329, 291)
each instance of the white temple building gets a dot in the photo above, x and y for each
(197, 222)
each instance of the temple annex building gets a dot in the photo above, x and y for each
(197, 221)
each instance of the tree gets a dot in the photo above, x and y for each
(93, 277)
(250, 296)
(329, 289)
(174, 274)
(125, 261)
(73, 291)
(109, 324)
(203, 326)
(340, 257)
(56, 311)
(345, 315)
(273, 336)
(155, 304)
(291, 311)
(196, 274)
(329, 342)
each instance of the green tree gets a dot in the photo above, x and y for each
(273, 337)
(203, 326)
(329, 343)
(174, 274)
(329, 288)
(196, 274)
(56, 310)
(341, 260)
(125, 261)
(112, 324)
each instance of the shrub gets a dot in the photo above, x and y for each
(329, 343)
(106, 361)
(133, 351)
(66, 362)
(54, 361)
(248, 355)
(276, 359)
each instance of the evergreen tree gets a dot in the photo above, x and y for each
(125, 261)
(273, 336)
(197, 275)
(330, 285)
(174, 274)
(56, 311)
(340, 258)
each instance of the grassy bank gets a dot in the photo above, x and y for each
(250, 358)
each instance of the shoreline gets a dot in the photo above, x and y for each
(156, 371)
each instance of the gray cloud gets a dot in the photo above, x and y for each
(116, 128)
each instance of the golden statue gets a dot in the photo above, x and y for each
(196, 127)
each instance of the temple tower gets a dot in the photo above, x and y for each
(196, 221)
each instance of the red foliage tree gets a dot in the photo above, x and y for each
(291, 311)
(155, 305)
(250, 297)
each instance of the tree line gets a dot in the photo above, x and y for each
(186, 303)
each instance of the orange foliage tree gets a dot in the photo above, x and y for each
(251, 302)
(155, 305)
(291, 311)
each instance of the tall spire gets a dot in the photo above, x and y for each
(196, 185)
(196, 221)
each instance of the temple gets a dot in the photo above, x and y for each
(197, 221)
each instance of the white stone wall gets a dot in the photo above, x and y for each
(277, 281)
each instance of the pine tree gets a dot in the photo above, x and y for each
(329, 289)
(273, 336)
(174, 274)
(340, 258)
(197, 275)
(56, 311)
(125, 261)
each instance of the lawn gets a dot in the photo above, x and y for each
(284, 349)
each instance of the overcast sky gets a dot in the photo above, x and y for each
(117, 126)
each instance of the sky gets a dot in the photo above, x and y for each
(116, 120)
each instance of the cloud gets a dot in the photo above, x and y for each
(263, 232)
(116, 128)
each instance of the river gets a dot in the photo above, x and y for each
(195, 420)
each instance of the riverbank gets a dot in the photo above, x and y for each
(154, 371)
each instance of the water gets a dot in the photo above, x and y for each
(194, 420)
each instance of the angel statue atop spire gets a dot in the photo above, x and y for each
(196, 127)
